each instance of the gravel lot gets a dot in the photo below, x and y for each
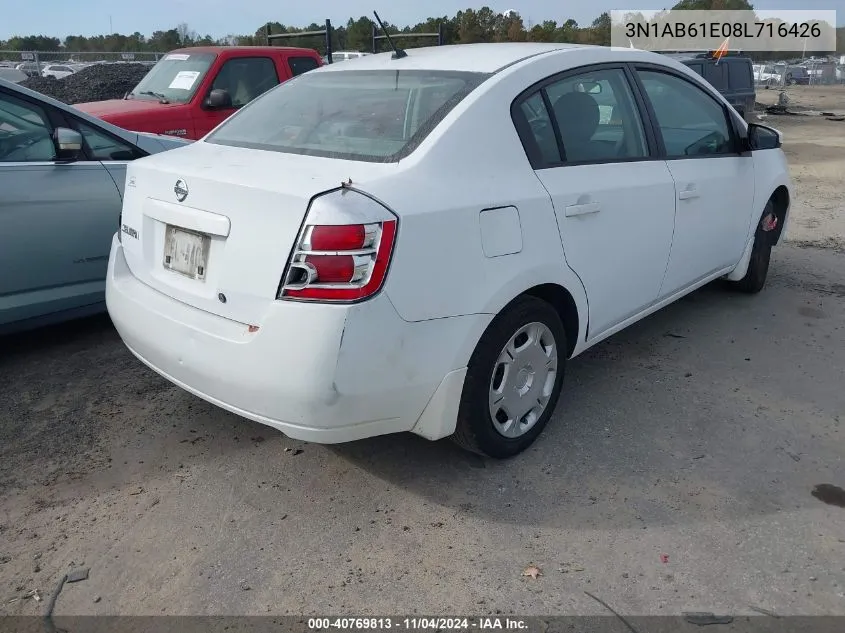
(676, 475)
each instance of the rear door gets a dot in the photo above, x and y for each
(714, 182)
(57, 218)
(614, 199)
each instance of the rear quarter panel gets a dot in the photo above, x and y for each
(474, 161)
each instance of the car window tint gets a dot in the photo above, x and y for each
(597, 117)
(540, 123)
(375, 115)
(103, 146)
(246, 78)
(739, 76)
(299, 65)
(691, 121)
(25, 132)
(717, 75)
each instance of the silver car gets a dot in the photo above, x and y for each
(62, 174)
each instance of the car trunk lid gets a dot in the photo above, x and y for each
(227, 218)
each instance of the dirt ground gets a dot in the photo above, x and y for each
(675, 476)
(815, 147)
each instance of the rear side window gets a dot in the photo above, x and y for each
(697, 68)
(740, 77)
(299, 65)
(717, 75)
(374, 116)
(595, 115)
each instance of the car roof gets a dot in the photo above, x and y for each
(488, 58)
(703, 57)
(481, 58)
(266, 50)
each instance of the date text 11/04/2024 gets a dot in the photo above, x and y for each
(804, 30)
(418, 624)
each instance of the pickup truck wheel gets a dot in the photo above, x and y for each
(513, 380)
(761, 252)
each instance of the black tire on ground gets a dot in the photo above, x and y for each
(475, 430)
(761, 252)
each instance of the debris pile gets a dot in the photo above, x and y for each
(97, 82)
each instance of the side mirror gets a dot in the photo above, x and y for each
(68, 143)
(761, 137)
(219, 99)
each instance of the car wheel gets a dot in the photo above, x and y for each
(791, 81)
(761, 252)
(513, 380)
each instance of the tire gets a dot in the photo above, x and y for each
(522, 381)
(761, 252)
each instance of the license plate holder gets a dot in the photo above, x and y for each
(186, 252)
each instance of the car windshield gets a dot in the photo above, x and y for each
(375, 116)
(175, 78)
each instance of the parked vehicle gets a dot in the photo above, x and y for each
(32, 69)
(326, 263)
(190, 91)
(796, 75)
(767, 74)
(61, 182)
(732, 75)
(13, 75)
(343, 56)
(58, 71)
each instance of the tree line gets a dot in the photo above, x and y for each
(465, 27)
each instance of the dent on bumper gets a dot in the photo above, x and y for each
(317, 373)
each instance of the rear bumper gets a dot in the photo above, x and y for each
(319, 373)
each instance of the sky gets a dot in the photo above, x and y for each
(218, 18)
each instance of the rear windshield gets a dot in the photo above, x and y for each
(374, 116)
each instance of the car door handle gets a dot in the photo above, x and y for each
(582, 209)
(688, 193)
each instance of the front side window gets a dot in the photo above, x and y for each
(691, 121)
(375, 116)
(597, 117)
(175, 78)
(102, 146)
(25, 132)
(246, 78)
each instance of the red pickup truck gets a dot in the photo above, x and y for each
(190, 90)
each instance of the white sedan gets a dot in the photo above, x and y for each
(421, 242)
(57, 71)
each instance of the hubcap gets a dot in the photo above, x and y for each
(523, 380)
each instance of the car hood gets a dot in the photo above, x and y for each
(116, 107)
(13, 75)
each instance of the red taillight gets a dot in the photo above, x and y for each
(343, 237)
(337, 269)
(344, 262)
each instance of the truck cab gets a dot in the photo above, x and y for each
(191, 90)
